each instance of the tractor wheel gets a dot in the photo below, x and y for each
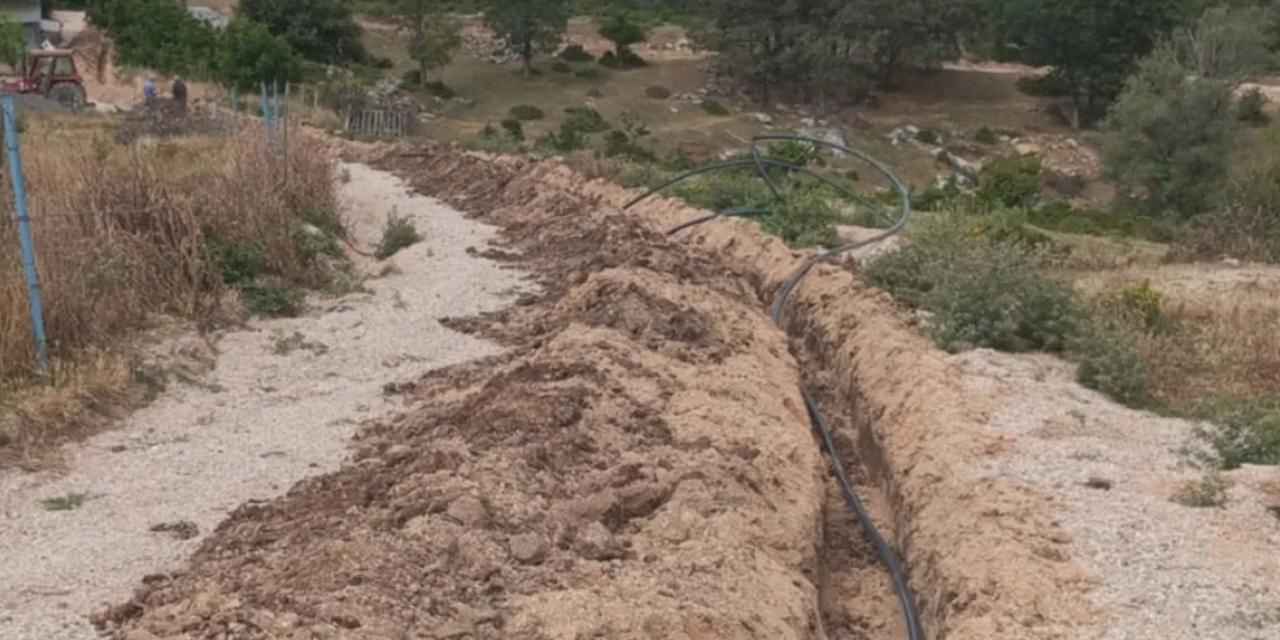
(68, 95)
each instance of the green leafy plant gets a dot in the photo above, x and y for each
(526, 112)
(714, 108)
(398, 233)
(273, 300)
(585, 119)
(575, 53)
(1210, 491)
(1251, 109)
(986, 136)
(514, 129)
(1010, 182)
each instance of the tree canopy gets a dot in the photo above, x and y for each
(320, 30)
(530, 26)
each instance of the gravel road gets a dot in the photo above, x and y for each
(281, 404)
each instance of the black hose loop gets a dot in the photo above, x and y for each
(886, 552)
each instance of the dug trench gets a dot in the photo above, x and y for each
(638, 464)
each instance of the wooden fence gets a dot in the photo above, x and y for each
(377, 123)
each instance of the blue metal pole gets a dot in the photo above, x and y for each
(266, 107)
(24, 234)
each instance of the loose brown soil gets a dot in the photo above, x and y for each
(639, 464)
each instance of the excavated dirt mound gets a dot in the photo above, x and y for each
(637, 466)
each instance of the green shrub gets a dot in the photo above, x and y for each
(567, 139)
(805, 219)
(585, 119)
(273, 300)
(398, 234)
(657, 92)
(240, 264)
(623, 60)
(1109, 362)
(1243, 432)
(561, 67)
(514, 129)
(1251, 109)
(526, 112)
(440, 90)
(575, 53)
(720, 191)
(986, 136)
(1010, 182)
(981, 291)
(928, 136)
(793, 152)
(714, 108)
(314, 242)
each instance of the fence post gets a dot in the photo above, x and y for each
(24, 234)
(286, 132)
(266, 108)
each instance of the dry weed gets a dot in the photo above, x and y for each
(123, 232)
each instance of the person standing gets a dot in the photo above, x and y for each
(180, 94)
(149, 90)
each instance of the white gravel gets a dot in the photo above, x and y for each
(261, 421)
(1159, 570)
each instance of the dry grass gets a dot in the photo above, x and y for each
(124, 232)
(1217, 337)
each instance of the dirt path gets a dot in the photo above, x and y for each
(281, 405)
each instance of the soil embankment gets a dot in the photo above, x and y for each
(639, 465)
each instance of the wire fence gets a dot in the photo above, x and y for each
(379, 123)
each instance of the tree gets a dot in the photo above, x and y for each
(435, 35)
(156, 34)
(1227, 43)
(13, 44)
(1170, 136)
(622, 33)
(320, 30)
(530, 26)
(1092, 45)
(249, 55)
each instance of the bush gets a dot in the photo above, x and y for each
(657, 93)
(561, 67)
(1170, 140)
(240, 263)
(805, 219)
(928, 136)
(273, 300)
(566, 140)
(793, 152)
(514, 129)
(1247, 226)
(383, 63)
(1243, 432)
(585, 119)
(1111, 364)
(1251, 109)
(1210, 491)
(399, 233)
(714, 108)
(625, 142)
(1010, 182)
(526, 112)
(986, 136)
(575, 53)
(981, 291)
(440, 90)
(622, 60)
(248, 55)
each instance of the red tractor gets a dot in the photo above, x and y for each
(49, 73)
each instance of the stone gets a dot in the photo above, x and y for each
(763, 118)
(528, 548)
(1027, 148)
(597, 543)
(469, 511)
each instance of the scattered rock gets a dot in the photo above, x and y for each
(469, 511)
(1028, 148)
(762, 118)
(596, 543)
(1098, 483)
(181, 529)
(528, 548)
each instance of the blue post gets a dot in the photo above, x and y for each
(266, 108)
(24, 234)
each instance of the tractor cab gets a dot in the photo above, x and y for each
(50, 73)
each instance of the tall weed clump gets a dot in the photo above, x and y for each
(122, 232)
